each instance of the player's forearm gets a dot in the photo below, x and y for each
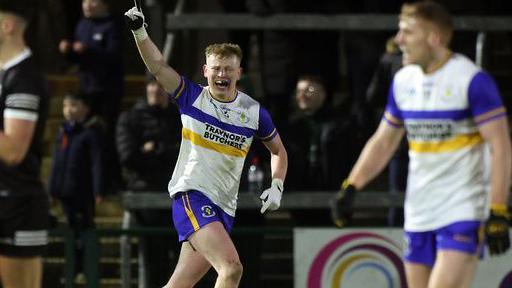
(501, 171)
(11, 154)
(279, 164)
(371, 162)
(152, 57)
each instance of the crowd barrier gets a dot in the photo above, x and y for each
(133, 201)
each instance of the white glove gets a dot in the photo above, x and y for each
(271, 198)
(135, 21)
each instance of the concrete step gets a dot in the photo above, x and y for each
(109, 266)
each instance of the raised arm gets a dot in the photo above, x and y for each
(152, 57)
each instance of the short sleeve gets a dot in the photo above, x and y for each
(484, 99)
(393, 115)
(23, 100)
(186, 93)
(266, 129)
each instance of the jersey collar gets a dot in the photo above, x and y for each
(20, 57)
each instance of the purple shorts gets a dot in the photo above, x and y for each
(464, 236)
(192, 210)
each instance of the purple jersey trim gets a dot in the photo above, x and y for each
(266, 129)
(483, 95)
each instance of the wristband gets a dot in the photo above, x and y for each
(278, 183)
(140, 34)
(499, 209)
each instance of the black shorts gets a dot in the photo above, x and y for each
(24, 225)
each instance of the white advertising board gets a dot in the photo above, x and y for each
(334, 258)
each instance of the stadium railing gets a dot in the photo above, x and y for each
(133, 201)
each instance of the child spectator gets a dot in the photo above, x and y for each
(76, 178)
(97, 49)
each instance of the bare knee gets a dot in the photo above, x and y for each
(232, 271)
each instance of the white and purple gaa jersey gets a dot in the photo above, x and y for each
(448, 177)
(216, 138)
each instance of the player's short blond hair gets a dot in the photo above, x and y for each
(431, 12)
(224, 50)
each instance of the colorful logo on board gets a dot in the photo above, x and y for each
(355, 259)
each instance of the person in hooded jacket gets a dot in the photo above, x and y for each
(148, 139)
(77, 174)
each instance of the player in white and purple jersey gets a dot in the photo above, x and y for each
(455, 123)
(219, 125)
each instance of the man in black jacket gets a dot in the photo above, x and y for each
(148, 138)
(319, 132)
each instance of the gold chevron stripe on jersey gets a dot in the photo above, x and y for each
(198, 140)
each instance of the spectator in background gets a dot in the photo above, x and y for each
(318, 133)
(76, 178)
(148, 139)
(376, 96)
(24, 205)
(97, 49)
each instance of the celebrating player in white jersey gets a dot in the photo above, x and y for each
(455, 120)
(219, 125)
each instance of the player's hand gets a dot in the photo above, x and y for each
(341, 205)
(78, 47)
(497, 230)
(271, 198)
(134, 19)
(148, 147)
(64, 46)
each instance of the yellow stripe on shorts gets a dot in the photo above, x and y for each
(188, 210)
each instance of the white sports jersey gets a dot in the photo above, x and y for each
(216, 138)
(447, 179)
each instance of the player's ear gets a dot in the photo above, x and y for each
(7, 24)
(240, 71)
(205, 70)
(435, 38)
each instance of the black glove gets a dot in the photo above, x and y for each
(341, 205)
(134, 19)
(497, 231)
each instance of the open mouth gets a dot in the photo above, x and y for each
(222, 83)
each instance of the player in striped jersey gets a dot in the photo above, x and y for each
(452, 113)
(219, 125)
(24, 207)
